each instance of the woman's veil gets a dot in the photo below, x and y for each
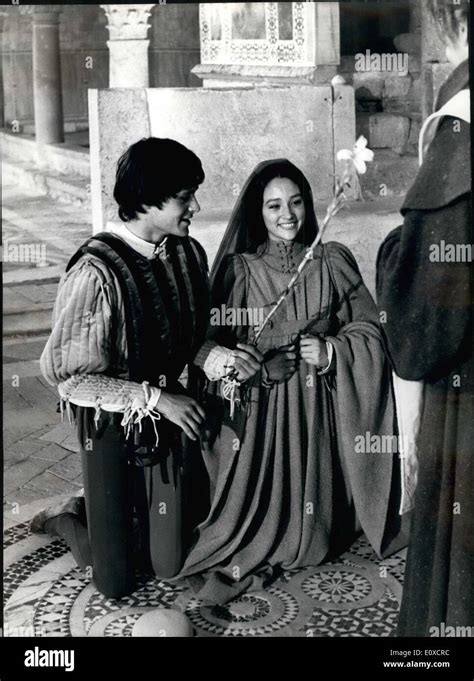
(246, 229)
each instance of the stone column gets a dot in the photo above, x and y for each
(435, 67)
(2, 97)
(47, 89)
(128, 45)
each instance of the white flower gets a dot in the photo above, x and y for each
(360, 155)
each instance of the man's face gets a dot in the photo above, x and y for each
(174, 217)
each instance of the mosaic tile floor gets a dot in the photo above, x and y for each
(47, 595)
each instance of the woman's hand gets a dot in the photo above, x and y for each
(314, 351)
(248, 361)
(281, 365)
(183, 411)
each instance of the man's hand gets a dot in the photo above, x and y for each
(248, 361)
(314, 351)
(282, 364)
(183, 411)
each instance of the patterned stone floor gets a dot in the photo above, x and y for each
(45, 594)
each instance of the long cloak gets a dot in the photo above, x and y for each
(426, 296)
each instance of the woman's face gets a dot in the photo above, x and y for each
(283, 209)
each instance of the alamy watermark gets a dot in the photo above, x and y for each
(20, 252)
(381, 444)
(393, 62)
(446, 252)
(447, 631)
(37, 657)
(236, 316)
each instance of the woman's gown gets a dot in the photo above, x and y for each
(289, 486)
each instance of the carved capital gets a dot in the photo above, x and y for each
(128, 22)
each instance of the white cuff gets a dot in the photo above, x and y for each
(154, 399)
(215, 360)
(330, 351)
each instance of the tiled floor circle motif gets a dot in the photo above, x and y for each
(251, 614)
(356, 596)
(340, 586)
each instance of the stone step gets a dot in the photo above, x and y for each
(68, 159)
(72, 189)
(28, 307)
(27, 322)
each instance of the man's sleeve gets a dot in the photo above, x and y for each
(80, 338)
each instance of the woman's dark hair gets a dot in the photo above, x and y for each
(246, 230)
(448, 16)
(251, 216)
(152, 171)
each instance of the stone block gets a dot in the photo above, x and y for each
(109, 139)
(433, 77)
(231, 131)
(22, 472)
(397, 105)
(48, 484)
(390, 175)
(415, 128)
(385, 130)
(408, 42)
(397, 86)
(416, 93)
(368, 85)
(68, 468)
(414, 63)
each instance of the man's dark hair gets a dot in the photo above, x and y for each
(152, 171)
(448, 15)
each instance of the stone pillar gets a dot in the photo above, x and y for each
(128, 45)
(434, 64)
(2, 96)
(47, 90)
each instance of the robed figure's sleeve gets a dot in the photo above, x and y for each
(423, 286)
(366, 422)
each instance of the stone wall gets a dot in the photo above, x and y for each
(391, 105)
(231, 131)
(436, 67)
(173, 52)
(388, 104)
(389, 93)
